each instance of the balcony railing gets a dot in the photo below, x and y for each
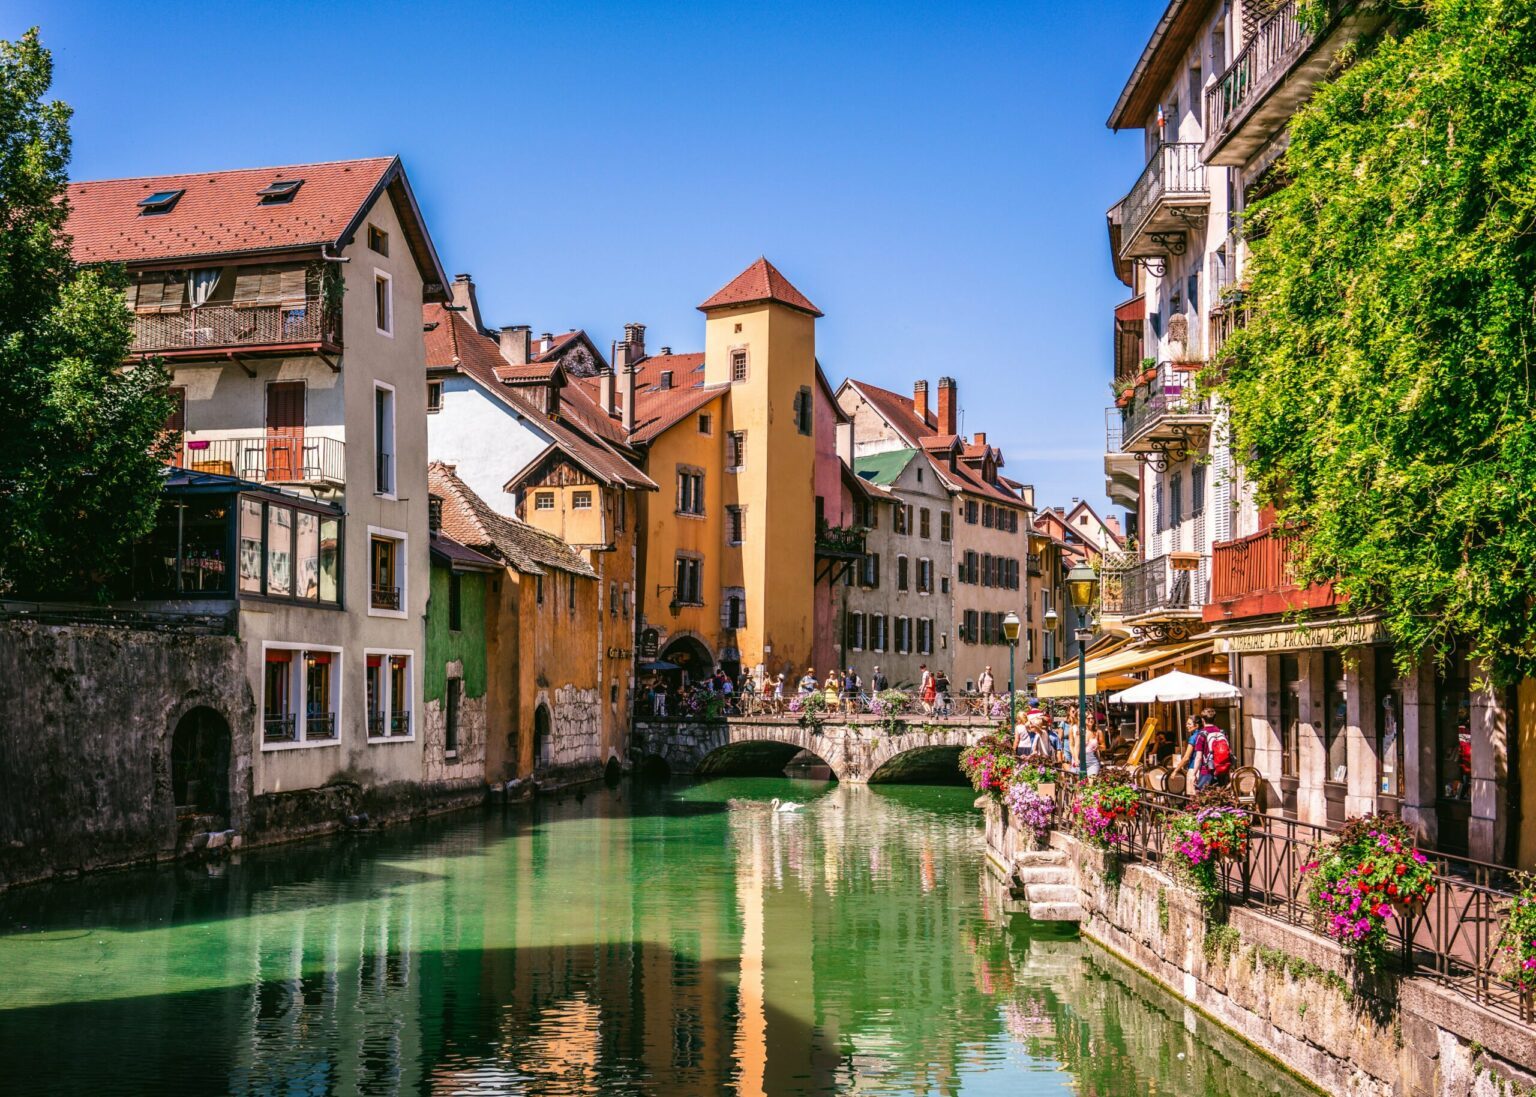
(1175, 172)
(1175, 584)
(215, 327)
(1171, 398)
(1226, 319)
(839, 540)
(1256, 575)
(280, 728)
(320, 725)
(384, 597)
(400, 723)
(268, 460)
(1259, 66)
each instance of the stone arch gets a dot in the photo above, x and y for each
(690, 653)
(770, 743)
(543, 736)
(891, 749)
(201, 763)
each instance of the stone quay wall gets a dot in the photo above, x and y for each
(1292, 994)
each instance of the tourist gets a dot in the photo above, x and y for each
(659, 698)
(851, 687)
(878, 681)
(941, 693)
(808, 682)
(833, 690)
(1218, 751)
(1030, 737)
(984, 686)
(926, 691)
(1193, 754)
(778, 692)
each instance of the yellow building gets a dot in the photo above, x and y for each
(727, 562)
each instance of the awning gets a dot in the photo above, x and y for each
(1112, 668)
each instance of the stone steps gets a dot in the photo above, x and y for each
(1034, 858)
(1041, 874)
(1052, 893)
(1047, 885)
(1055, 912)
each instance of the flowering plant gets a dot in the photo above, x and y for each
(1034, 774)
(1031, 809)
(810, 707)
(989, 765)
(1099, 805)
(1520, 938)
(1200, 840)
(1363, 878)
(1001, 706)
(888, 705)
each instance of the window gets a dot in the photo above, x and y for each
(804, 416)
(924, 529)
(706, 423)
(906, 522)
(378, 240)
(319, 696)
(386, 565)
(735, 525)
(943, 584)
(900, 518)
(901, 573)
(626, 600)
(451, 716)
(970, 512)
(1176, 498)
(543, 500)
(455, 601)
(987, 515)
(871, 576)
(903, 635)
(387, 689)
(279, 192)
(690, 491)
(856, 631)
(383, 304)
(581, 500)
(570, 593)
(301, 692)
(925, 635)
(738, 365)
(968, 627)
(613, 599)
(1197, 491)
(434, 397)
(284, 552)
(924, 576)
(877, 632)
(690, 585)
(735, 611)
(538, 589)
(383, 439)
(736, 451)
(946, 525)
(162, 201)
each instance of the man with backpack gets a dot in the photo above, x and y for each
(1216, 754)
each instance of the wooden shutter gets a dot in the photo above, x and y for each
(248, 285)
(291, 286)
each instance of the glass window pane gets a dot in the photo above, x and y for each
(250, 545)
(279, 550)
(330, 560)
(307, 530)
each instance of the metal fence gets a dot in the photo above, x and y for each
(1279, 41)
(268, 459)
(306, 321)
(1175, 170)
(863, 707)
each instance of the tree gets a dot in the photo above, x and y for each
(1381, 394)
(80, 434)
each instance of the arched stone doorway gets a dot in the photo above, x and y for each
(200, 763)
(543, 738)
(690, 656)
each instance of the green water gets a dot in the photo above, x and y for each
(681, 940)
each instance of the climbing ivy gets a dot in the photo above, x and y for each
(1381, 393)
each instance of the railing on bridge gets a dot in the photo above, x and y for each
(861, 707)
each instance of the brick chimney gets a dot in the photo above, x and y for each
(513, 342)
(464, 298)
(546, 341)
(920, 400)
(634, 335)
(947, 407)
(981, 435)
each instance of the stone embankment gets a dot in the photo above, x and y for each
(1292, 994)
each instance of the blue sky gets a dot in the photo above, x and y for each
(933, 176)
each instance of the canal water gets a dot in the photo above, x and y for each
(648, 940)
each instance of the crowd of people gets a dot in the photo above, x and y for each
(1205, 751)
(840, 689)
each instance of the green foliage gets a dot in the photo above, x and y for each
(80, 448)
(1220, 942)
(1381, 393)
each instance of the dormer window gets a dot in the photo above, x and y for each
(162, 201)
(279, 191)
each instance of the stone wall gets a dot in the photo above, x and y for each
(87, 716)
(1290, 993)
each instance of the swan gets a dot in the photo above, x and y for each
(785, 805)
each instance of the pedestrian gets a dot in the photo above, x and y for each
(659, 698)
(833, 690)
(778, 692)
(878, 681)
(1193, 754)
(1218, 750)
(850, 691)
(926, 692)
(808, 682)
(941, 693)
(984, 686)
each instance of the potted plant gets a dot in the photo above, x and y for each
(1032, 808)
(1199, 841)
(989, 765)
(1100, 807)
(1360, 880)
(1519, 944)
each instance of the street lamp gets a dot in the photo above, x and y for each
(1052, 618)
(1011, 634)
(1082, 588)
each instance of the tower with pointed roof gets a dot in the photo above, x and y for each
(760, 338)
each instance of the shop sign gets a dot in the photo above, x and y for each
(619, 653)
(650, 644)
(1355, 634)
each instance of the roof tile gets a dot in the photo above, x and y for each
(760, 282)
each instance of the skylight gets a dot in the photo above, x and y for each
(280, 191)
(160, 202)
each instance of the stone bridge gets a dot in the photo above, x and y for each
(855, 748)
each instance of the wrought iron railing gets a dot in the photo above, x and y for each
(1170, 393)
(384, 597)
(320, 725)
(1454, 939)
(1175, 171)
(957, 709)
(1262, 63)
(1161, 584)
(215, 326)
(840, 540)
(400, 723)
(280, 728)
(269, 459)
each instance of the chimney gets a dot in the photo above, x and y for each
(625, 373)
(514, 344)
(464, 298)
(1112, 523)
(666, 379)
(946, 405)
(546, 341)
(920, 400)
(665, 351)
(634, 335)
(981, 435)
(605, 391)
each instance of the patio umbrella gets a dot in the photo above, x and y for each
(658, 666)
(1175, 686)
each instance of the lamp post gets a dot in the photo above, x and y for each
(1052, 618)
(1082, 588)
(1011, 634)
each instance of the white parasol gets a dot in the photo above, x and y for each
(1175, 686)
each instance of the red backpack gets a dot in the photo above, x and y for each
(1221, 750)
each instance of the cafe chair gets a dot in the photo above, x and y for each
(1246, 784)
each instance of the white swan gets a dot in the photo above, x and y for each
(785, 805)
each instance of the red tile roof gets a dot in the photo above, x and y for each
(220, 213)
(557, 343)
(469, 519)
(760, 282)
(655, 411)
(458, 557)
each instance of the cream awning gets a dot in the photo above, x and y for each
(1112, 668)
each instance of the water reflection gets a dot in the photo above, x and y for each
(683, 941)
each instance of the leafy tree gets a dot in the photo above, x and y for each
(80, 434)
(1381, 393)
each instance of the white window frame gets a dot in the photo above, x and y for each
(394, 440)
(576, 503)
(402, 573)
(746, 364)
(389, 702)
(540, 496)
(298, 691)
(389, 302)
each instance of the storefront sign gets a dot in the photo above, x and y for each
(619, 653)
(650, 643)
(1300, 638)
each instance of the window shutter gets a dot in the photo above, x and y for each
(248, 285)
(291, 286)
(172, 291)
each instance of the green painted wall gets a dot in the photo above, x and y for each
(445, 645)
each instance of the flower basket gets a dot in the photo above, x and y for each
(1100, 808)
(1030, 808)
(1519, 944)
(1359, 881)
(1199, 842)
(989, 765)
